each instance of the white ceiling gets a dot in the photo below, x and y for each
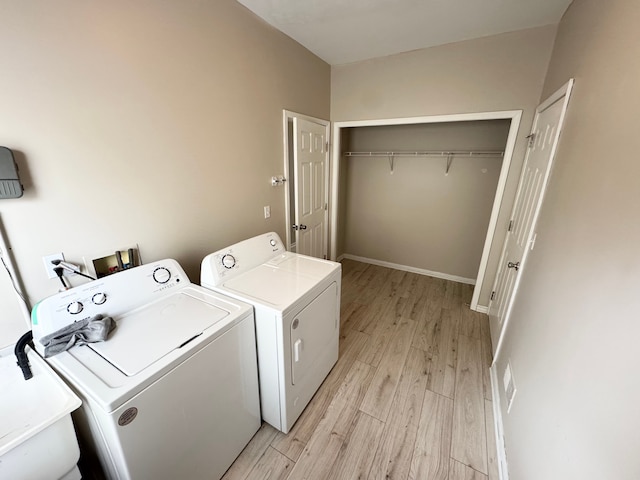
(345, 31)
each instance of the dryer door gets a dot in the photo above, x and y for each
(313, 330)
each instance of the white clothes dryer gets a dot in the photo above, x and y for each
(297, 309)
(173, 391)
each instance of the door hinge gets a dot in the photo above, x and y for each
(532, 140)
(326, 206)
(510, 225)
(326, 145)
(493, 295)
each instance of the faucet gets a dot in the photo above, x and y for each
(21, 354)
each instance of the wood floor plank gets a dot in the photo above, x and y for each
(368, 322)
(294, 442)
(470, 322)
(348, 295)
(452, 294)
(393, 457)
(251, 453)
(353, 314)
(377, 401)
(379, 301)
(373, 275)
(351, 270)
(436, 294)
(487, 356)
(271, 466)
(368, 294)
(469, 442)
(467, 293)
(492, 454)
(382, 332)
(445, 348)
(417, 297)
(429, 323)
(459, 471)
(391, 288)
(323, 448)
(433, 442)
(358, 450)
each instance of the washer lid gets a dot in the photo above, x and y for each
(272, 285)
(147, 334)
(296, 263)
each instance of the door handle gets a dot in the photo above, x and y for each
(297, 348)
(303, 227)
(514, 265)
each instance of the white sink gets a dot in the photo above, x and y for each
(37, 439)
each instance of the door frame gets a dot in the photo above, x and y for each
(289, 176)
(514, 115)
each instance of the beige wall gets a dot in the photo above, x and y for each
(573, 340)
(149, 122)
(418, 216)
(13, 321)
(501, 72)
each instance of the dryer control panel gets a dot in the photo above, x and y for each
(109, 296)
(229, 262)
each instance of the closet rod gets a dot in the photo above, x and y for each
(428, 153)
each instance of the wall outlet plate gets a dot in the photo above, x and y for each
(509, 385)
(48, 266)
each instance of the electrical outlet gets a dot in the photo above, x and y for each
(509, 385)
(267, 211)
(48, 266)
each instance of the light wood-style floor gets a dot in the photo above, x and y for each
(409, 398)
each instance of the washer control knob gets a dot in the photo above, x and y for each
(273, 242)
(161, 275)
(228, 261)
(99, 298)
(74, 308)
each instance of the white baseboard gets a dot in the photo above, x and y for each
(499, 430)
(482, 309)
(406, 268)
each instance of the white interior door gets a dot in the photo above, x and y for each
(310, 177)
(520, 237)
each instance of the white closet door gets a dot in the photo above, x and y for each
(544, 138)
(310, 150)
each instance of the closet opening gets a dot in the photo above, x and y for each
(422, 194)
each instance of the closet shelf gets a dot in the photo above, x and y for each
(427, 153)
(450, 154)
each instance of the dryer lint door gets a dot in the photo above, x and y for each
(313, 330)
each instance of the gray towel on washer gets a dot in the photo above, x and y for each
(85, 331)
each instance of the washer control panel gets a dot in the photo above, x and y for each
(228, 261)
(162, 275)
(239, 258)
(109, 296)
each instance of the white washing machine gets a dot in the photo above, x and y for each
(173, 391)
(297, 309)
